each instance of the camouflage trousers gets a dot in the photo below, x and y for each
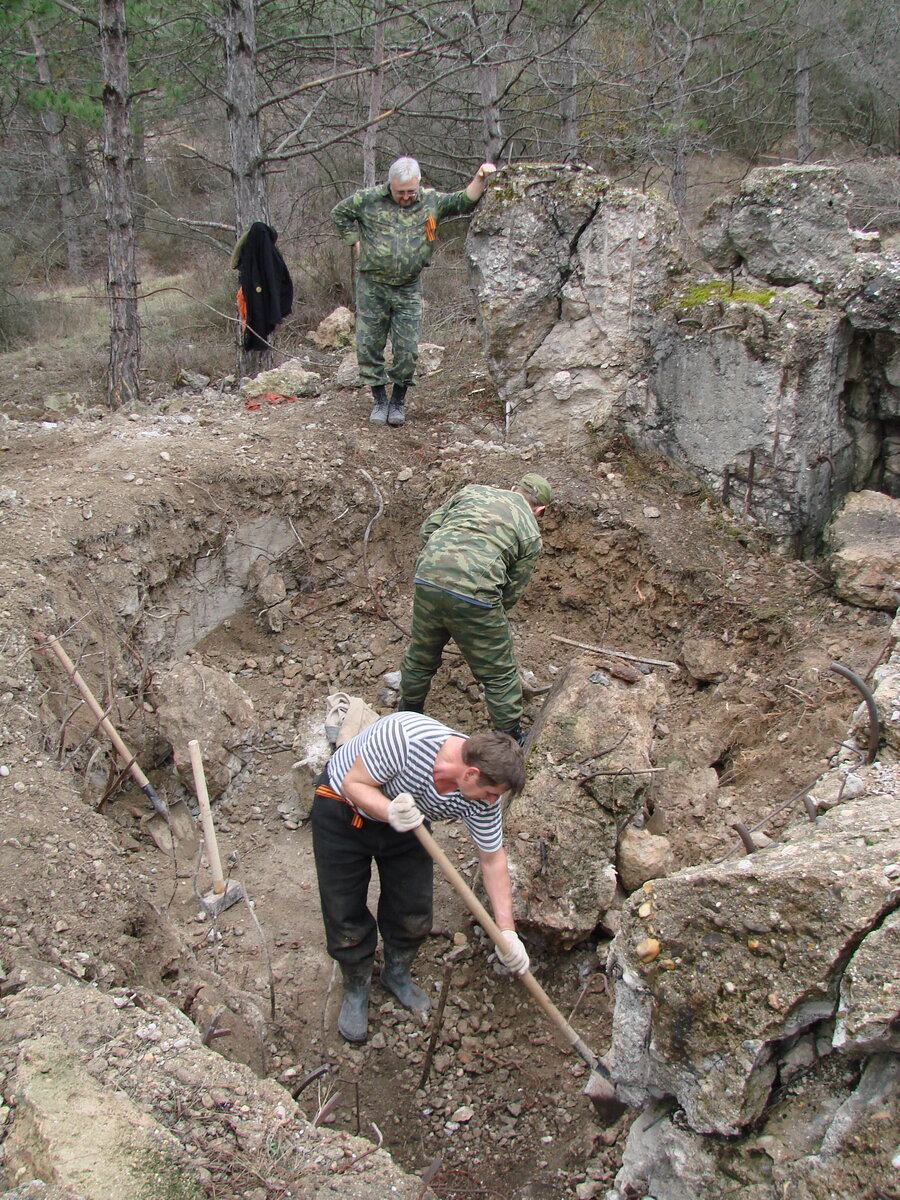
(485, 641)
(383, 310)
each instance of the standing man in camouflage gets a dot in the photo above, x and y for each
(480, 549)
(394, 227)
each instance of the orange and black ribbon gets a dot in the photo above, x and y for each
(324, 790)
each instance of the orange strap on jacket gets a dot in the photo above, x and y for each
(430, 227)
(324, 790)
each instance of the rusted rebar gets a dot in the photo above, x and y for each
(746, 836)
(436, 1025)
(874, 722)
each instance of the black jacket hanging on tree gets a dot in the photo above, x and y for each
(265, 282)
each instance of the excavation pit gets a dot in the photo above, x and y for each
(156, 542)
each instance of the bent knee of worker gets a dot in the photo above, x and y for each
(414, 928)
(349, 933)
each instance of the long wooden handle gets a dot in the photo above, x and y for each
(206, 821)
(106, 725)
(495, 933)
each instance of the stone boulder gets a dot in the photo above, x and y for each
(752, 403)
(570, 271)
(337, 329)
(706, 660)
(776, 384)
(867, 1012)
(755, 953)
(193, 381)
(864, 550)
(582, 788)
(98, 1123)
(205, 703)
(870, 294)
(642, 856)
(292, 378)
(786, 225)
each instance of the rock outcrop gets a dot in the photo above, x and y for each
(775, 382)
(98, 1082)
(205, 704)
(864, 544)
(585, 784)
(570, 271)
(777, 968)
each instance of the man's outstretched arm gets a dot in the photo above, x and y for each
(479, 181)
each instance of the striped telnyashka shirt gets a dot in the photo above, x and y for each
(399, 751)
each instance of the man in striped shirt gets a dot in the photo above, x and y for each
(378, 786)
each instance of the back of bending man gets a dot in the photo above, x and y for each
(480, 549)
(375, 790)
(394, 227)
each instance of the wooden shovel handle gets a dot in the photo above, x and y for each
(495, 933)
(106, 725)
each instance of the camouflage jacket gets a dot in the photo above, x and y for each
(482, 545)
(395, 242)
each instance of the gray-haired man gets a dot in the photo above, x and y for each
(394, 226)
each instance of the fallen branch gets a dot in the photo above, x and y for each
(653, 662)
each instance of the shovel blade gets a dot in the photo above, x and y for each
(175, 834)
(600, 1090)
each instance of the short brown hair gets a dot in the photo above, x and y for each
(499, 760)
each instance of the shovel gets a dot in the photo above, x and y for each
(599, 1087)
(169, 822)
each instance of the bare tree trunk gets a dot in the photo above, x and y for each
(59, 161)
(802, 105)
(568, 108)
(802, 85)
(121, 279)
(490, 111)
(251, 201)
(681, 150)
(370, 136)
(139, 175)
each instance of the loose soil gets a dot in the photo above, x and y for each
(637, 557)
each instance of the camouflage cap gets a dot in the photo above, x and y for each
(537, 487)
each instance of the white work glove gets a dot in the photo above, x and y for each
(403, 814)
(515, 958)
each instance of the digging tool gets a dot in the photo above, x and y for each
(223, 893)
(168, 822)
(599, 1087)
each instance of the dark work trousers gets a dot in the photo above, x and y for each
(344, 868)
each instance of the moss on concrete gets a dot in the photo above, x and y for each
(718, 289)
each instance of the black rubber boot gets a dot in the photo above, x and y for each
(353, 1022)
(410, 706)
(516, 731)
(379, 413)
(396, 415)
(395, 977)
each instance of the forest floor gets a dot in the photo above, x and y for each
(636, 558)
